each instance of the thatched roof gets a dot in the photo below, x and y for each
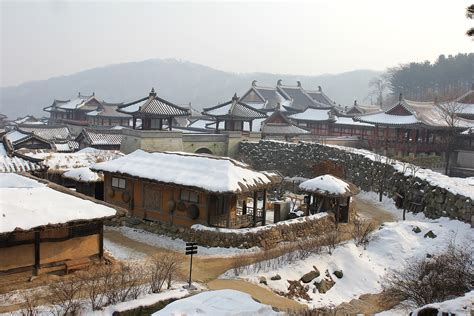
(329, 185)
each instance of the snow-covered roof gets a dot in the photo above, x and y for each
(26, 204)
(16, 163)
(234, 108)
(82, 158)
(47, 132)
(329, 185)
(220, 302)
(344, 120)
(205, 172)
(83, 174)
(311, 114)
(95, 137)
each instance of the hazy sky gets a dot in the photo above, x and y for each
(42, 39)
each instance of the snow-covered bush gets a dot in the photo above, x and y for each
(434, 278)
(362, 231)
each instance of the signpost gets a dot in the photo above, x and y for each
(191, 249)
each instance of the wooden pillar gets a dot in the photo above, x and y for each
(101, 240)
(170, 123)
(250, 126)
(255, 196)
(134, 122)
(37, 251)
(161, 124)
(308, 204)
(228, 215)
(244, 207)
(337, 212)
(217, 126)
(264, 208)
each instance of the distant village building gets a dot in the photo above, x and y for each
(234, 114)
(107, 115)
(107, 139)
(186, 189)
(153, 112)
(44, 230)
(278, 126)
(358, 109)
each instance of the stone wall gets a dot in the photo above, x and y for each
(262, 236)
(301, 160)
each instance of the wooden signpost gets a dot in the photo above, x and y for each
(191, 249)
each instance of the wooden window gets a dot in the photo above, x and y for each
(189, 196)
(118, 183)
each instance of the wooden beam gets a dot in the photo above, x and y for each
(101, 240)
(255, 196)
(37, 251)
(264, 208)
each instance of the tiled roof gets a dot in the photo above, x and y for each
(68, 146)
(234, 108)
(301, 99)
(282, 129)
(320, 97)
(153, 106)
(311, 114)
(48, 132)
(17, 163)
(108, 110)
(102, 136)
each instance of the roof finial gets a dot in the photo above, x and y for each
(93, 93)
(79, 94)
(355, 102)
(235, 97)
(298, 83)
(278, 107)
(320, 89)
(254, 83)
(279, 82)
(400, 97)
(152, 92)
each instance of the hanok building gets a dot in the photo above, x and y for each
(358, 109)
(107, 139)
(327, 193)
(28, 120)
(153, 112)
(107, 115)
(301, 99)
(235, 114)
(409, 127)
(86, 181)
(266, 99)
(23, 140)
(186, 189)
(72, 111)
(278, 126)
(12, 161)
(43, 230)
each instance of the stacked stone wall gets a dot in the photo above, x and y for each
(299, 160)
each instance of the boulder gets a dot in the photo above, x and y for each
(338, 274)
(275, 277)
(310, 276)
(416, 230)
(262, 280)
(430, 234)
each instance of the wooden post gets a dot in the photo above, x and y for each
(217, 126)
(101, 240)
(337, 212)
(250, 126)
(37, 251)
(308, 204)
(255, 196)
(264, 208)
(170, 123)
(135, 123)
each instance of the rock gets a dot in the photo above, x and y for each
(310, 276)
(416, 230)
(262, 280)
(275, 277)
(296, 290)
(430, 234)
(133, 221)
(325, 285)
(338, 274)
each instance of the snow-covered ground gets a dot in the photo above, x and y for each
(394, 244)
(162, 241)
(462, 306)
(221, 302)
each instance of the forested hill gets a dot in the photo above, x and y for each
(425, 80)
(180, 82)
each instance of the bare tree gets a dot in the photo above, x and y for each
(449, 114)
(379, 86)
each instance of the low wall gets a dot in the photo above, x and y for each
(267, 236)
(438, 195)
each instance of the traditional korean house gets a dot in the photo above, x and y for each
(86, 181)
(265, 99)
(72, 111)
(320, 97)
(43, 230)
(11, 161)
(186, 189)
(153, 112)
(315, 120)
(300, 99)
(107, 139)
(278, 126)
(234, 113)
(107, 115)
(24, 140)
(409, 127)
(28, 120)
(51, 133)
(358, 109)
(327, 193)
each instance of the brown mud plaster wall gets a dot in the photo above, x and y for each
(302, 159)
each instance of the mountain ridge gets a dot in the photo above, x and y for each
(179, 81)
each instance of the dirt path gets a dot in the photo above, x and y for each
(374, 212)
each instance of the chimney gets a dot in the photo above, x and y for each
(254, 83)
(400, 97)
(279, 82)
(320, 89)
(298, 83)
